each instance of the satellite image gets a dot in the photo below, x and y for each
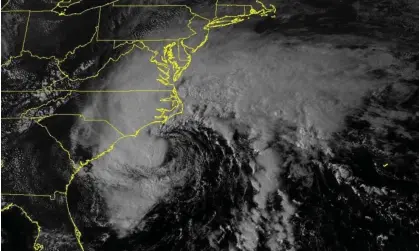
(209, 125)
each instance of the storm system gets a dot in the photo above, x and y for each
(297, 130)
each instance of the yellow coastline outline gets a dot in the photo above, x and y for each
(168, 62)
(36, 246)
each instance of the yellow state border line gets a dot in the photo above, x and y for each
(160, 6)
(83, 91)
(111, 59)
(216, 9)
(10, 59)
(244, 6)
(59, 143)
(25, 11)
(168, 64)
(26, 32)
(176, 103)
(152, 6)
(140, 40)
(50, 196)
(236, 5)
(161, 111)
(36, 246)
(57, 59)
(55, 100)
(26, 195)
(81, 13)
(8, 1)
(82, 164)
(69, 92)
(20, 118)
(52, 10)
(62, 13)
(40, 118)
